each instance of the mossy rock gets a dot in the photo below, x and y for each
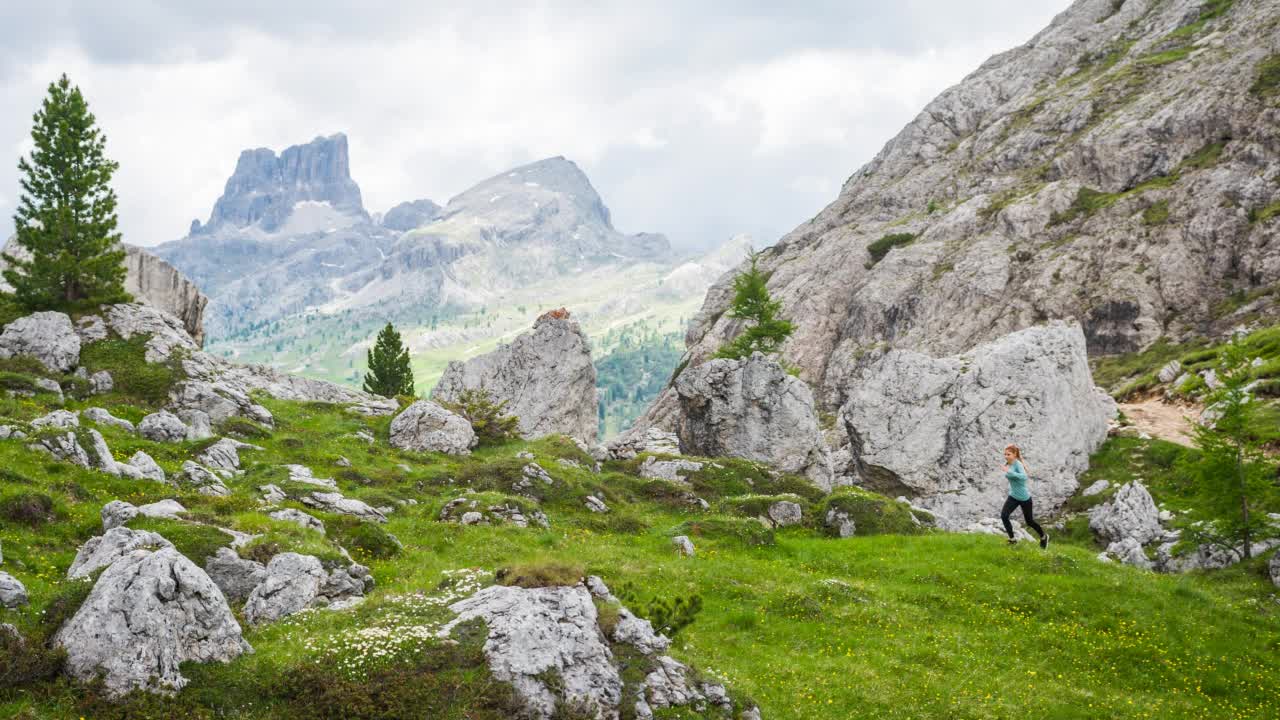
(730, 477)
(874, 514)
(747, 532)
(197, 542)
(757, 506)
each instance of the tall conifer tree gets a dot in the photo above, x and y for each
(389, 372)
(66, 217)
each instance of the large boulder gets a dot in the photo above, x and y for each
(162, 426)
(46, 336)
(545, 376)
(224, 455)
(103, 550)
(933, 429)
(1131, 514)
(752, 409)
(292, 583)
(149, 613)
(425, 426)
(539, 633)
(165, 332)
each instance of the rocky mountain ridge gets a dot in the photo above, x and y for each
(1121, 168)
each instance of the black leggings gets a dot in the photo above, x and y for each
(1011, 503)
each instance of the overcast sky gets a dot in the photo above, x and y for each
(695, 119)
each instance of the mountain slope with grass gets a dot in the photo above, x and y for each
(897, 620)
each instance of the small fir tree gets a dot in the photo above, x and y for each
(1232, 471)
(751, 302)
(389, 372)
(66, 217)
(488, 417)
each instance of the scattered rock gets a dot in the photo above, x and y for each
(683, 545)
(752, 409)
(234, 576)
(272, 494)
(337, 503)
(426, 427)
(467, 511)
(103, 417)
(649, 440)
(375, 407)
(51, 387)
(303, 474)
(1274, 569)
(1169, 371)
(162, 426)
(224, 455)
(840, 523)
(299, 518)
(147, 614)
(46, 336)
(147, 467)
(167, 509)
(342, 461)
(219, 400)
(91, 329)
(595, 504)
(785, 513)
(933, 429)
(103, 550)
(1130, 513)
(1096, 488)
(116, 513)
(64, 419)
(13, 594)
(204, 480)
(101, 382)
(672, 470)
(1129, 551)
(546, 377)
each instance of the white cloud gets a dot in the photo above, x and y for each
(693, 121)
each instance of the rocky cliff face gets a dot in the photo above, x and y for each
(1122, 168)
(266, 189)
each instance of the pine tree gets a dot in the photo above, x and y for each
(1232, 471)
(752, 303)
(66, 217)
(389, 372)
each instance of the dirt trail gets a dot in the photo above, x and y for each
(1160, 420)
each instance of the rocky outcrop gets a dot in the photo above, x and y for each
(934, 429)
(297, 517)
(162, 426)
(410, 215)
(337, 503)
(147, 614)
(467, 511)
(294, 582)
(224, 455)
(165, 332)
(157, 283)
(752, 409)
(104, 417)
(547, 643)
(1130, 514)
(1059, 180)
(103, 550)
(426, 427)
(116, 513)
(46, 336)
(546, 378)
(201, 479)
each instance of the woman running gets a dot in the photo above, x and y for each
(1016, 473)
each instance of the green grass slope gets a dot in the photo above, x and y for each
(905, 624)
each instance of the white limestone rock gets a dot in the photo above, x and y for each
(103, 550)
(46, 336)
(426, 427)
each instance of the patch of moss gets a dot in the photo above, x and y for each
(872, 514)
(1268, 81)
(1157, 214)
(880, 248)
(365, 540)
(196, 542)
(539, 575)
(134, 379)
(1265, 213)
(746, 532)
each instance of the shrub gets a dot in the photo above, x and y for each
(538, 575)
(66, 603)
(364, 539)
(667, 615)
(245, 429)
(24, 661)
(1157, 214)
(196, 542)
(488, 418)
(873, 514)
(880, 248)
(445, 681)
(17, 381)
(131, 375)
(27, 508)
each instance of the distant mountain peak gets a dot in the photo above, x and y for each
(265, 187)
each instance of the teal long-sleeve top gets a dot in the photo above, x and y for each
(1017, 477)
